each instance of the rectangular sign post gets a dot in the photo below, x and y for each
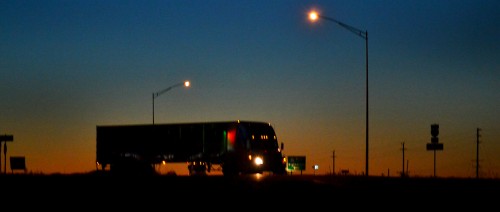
(434, 144)
(17, 163)
(4, 138)
(296, 163)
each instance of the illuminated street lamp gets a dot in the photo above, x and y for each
(315, 16)
(155, 95)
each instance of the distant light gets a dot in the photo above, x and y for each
(187, 83)
(316, 167)
(313, 16)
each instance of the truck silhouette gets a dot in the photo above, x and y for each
(233, 147)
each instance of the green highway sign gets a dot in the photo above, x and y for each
(296, 163)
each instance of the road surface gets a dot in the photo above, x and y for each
(92, 191)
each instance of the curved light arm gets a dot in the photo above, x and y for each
(313, 16)
(354, 30)
(186, 84)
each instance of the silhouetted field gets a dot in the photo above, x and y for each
(103, 189)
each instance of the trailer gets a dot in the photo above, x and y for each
(234, 147)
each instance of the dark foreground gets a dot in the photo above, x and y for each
(80, 191)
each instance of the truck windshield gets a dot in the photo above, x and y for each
(262, 137)
(264, 142)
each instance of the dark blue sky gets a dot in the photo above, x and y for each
(67, 66)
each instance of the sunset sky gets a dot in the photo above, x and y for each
(67, 66)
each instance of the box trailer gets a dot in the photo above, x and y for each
(234, 147)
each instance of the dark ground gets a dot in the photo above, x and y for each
(248, 191)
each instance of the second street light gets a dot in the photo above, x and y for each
(314, 16)
(156, 94)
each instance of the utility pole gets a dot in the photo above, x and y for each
(403, 170)
(477, 152)
(333, 160)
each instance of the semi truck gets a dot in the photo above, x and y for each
(232, 147)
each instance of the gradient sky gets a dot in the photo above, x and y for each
(67, 66)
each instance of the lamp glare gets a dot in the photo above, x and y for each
(313, 16)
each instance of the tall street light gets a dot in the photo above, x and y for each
(155, 95)
(314, 16)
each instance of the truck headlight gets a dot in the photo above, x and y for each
(258, 161)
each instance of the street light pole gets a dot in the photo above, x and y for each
(156, 94)
(363, 34)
